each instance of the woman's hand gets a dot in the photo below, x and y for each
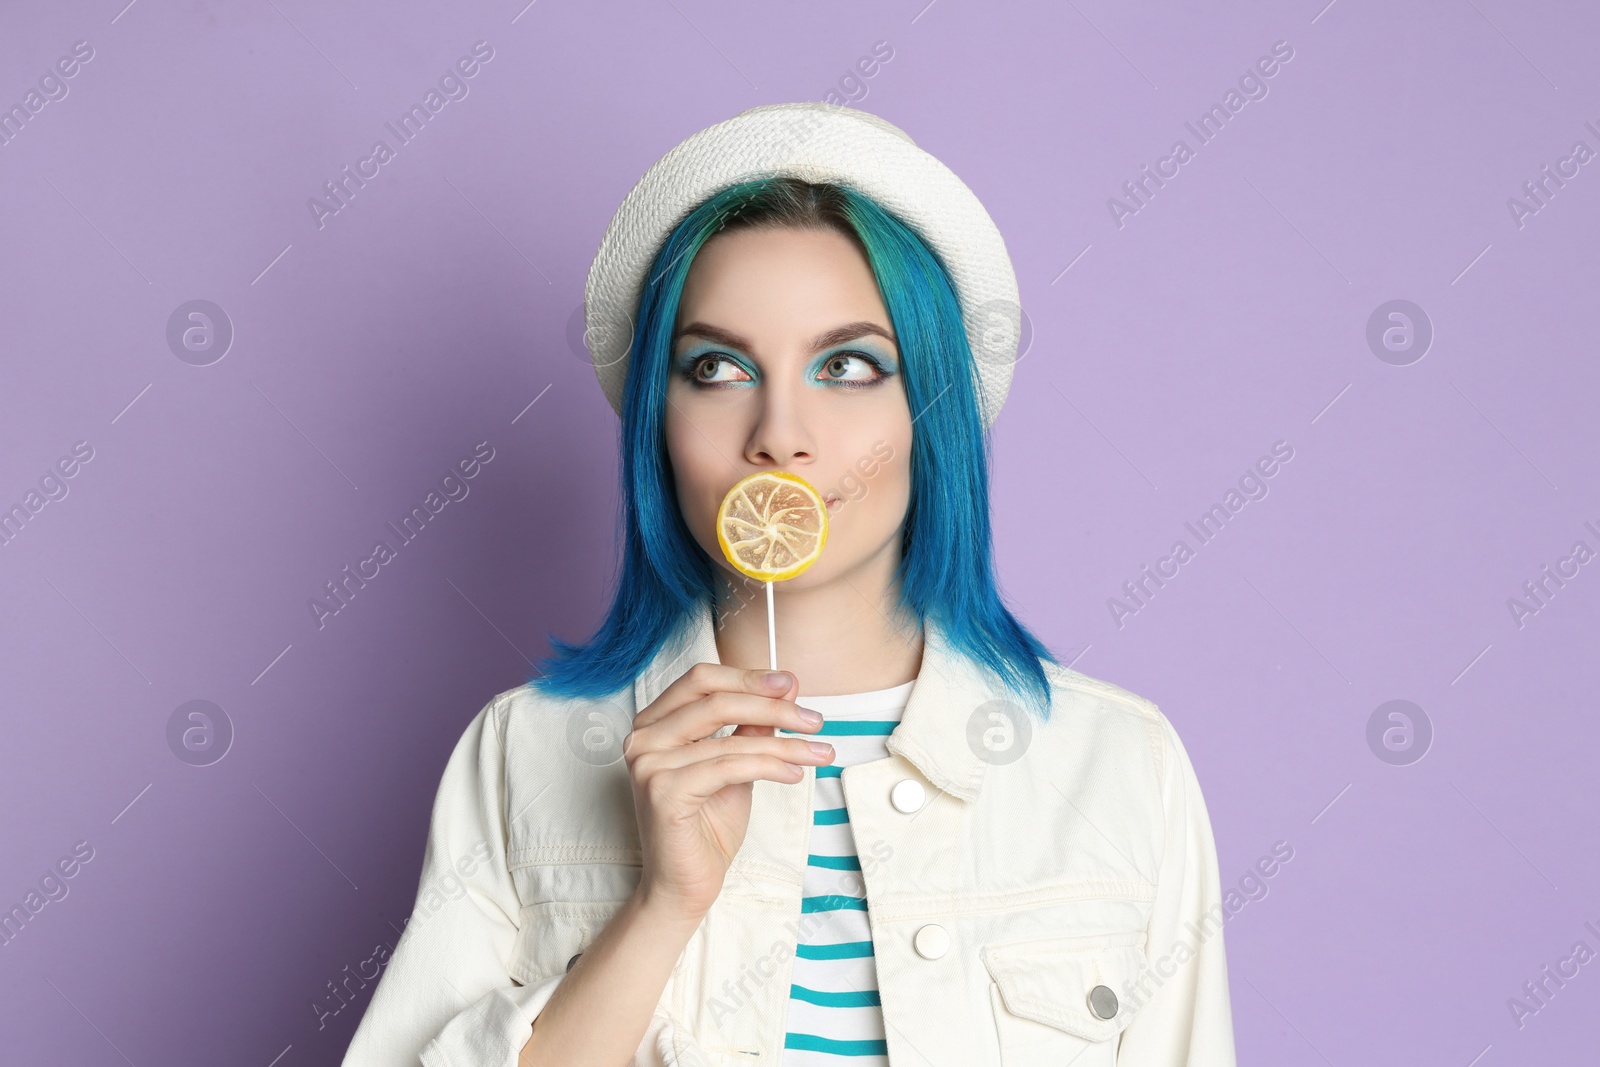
(692, 791)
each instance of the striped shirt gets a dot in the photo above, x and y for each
(834, 1017)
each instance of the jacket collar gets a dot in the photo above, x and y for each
(933, 733)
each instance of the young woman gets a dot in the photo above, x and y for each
(657, 852)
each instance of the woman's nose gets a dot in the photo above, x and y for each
(780, 435)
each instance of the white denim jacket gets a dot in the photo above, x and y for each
(1041, 895)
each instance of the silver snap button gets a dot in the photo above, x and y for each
(907, 796)
(1103, 1002)
(932, 941)
(574, 959)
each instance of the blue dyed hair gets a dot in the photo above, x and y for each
(946, 569)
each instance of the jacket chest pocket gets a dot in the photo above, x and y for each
(565, 904)
(1060, 1000)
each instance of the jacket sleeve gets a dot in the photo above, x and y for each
(445, 998)
(1182, 1011)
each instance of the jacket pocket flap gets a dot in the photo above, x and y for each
(1074, 984)
(553, 933)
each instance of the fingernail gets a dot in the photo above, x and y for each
(812, 717)
(776, 680)
(820, 748)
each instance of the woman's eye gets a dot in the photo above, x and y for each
(839, 368)
(709, 369)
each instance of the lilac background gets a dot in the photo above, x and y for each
(372, 354)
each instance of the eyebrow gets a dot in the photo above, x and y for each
(838, 335)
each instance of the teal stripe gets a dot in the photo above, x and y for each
(835, 863)
(829, 817)
(858, 998)
(832, 902)
(844, 950)
(830, 771)
(813, 1043)
(857, 727)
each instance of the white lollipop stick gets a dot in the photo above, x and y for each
(772, 630)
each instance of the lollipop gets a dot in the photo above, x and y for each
(772, 526)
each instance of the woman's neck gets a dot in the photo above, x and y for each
(844, 635)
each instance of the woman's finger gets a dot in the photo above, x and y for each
(702, 680)
(703, 779)
(797, 750)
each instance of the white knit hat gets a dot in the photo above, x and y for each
(816, 142)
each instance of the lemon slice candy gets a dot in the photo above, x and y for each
(772, 525)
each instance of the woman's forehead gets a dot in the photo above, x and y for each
(828, 338)
(780, 287)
